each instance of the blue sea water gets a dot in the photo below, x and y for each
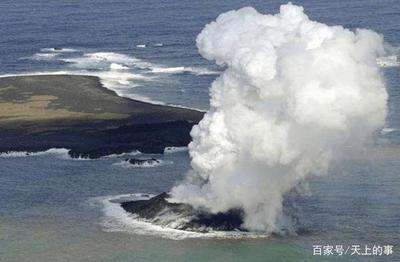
(52, 207)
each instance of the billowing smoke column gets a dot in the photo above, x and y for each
(295, 96)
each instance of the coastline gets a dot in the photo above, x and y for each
(77, 112)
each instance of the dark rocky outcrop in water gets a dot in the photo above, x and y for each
(159, 211)
(140, 162)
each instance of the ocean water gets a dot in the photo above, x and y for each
(53, 208)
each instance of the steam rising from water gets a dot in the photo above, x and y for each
(296, 95)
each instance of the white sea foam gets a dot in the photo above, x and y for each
(118, 80)
(58, 50)
(62, 153)
(133, 153)
(115, 66)
(45, 56)
(51, 53)
(115, 61)
(102, 60)
(118, 220)
(171, 150)
(118, 72)
(188, 107)
(42, 73)
(183, 69)
(388, 61)
(158, 163)
(53, 151)
(168, 70)
(388, 130)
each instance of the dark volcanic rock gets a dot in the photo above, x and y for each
(149, 209)
(79, 114)
(138, 161)
(159, 211)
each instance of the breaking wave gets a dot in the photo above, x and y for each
(62, 152)
(157, 163)
(183, 69)
(58, 50)
(98, 60)
(388, 61)
(117, 61)
(121, 73)
(172, 149)
(388, 130)
(133, 153)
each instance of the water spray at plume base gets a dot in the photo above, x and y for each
(295, 96)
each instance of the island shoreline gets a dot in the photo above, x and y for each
(78, 113)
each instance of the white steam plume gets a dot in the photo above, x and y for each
(296, 94)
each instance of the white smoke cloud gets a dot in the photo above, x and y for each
(296, 95)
